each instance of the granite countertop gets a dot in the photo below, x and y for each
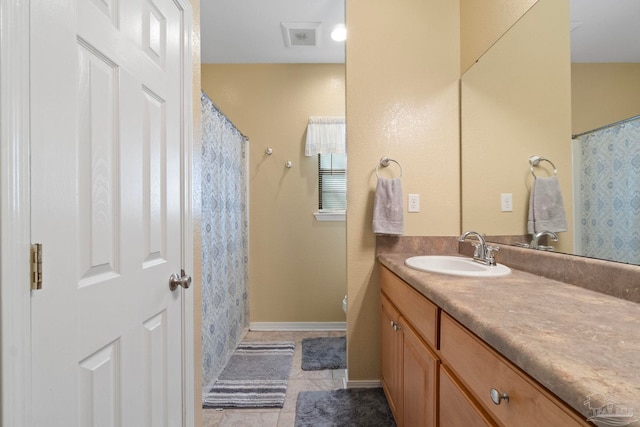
(574, 341)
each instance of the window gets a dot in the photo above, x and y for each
(332, 186)
(326, 138)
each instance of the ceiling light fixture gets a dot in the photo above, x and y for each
(339, 33)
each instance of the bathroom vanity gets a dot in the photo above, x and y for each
(520, 350)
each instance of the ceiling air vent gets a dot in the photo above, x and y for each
(301, 33)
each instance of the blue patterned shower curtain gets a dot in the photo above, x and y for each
(610, 193)
(225, 302)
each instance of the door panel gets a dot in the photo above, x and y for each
(106, 204)
(98, 166)
(100, 386)
(155, 379)
(154, 189)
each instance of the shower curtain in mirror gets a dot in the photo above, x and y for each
(224, 222)
(610, 193)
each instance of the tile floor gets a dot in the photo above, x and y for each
(299, 380)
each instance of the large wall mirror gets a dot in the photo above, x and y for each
(524, 97)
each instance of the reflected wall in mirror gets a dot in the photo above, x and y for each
(484, 22)
(515, 103)
(523, 98)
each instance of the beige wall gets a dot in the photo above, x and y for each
(603, 94)
(483, 22)
(516, 102)
(297, 264)
(403, 64)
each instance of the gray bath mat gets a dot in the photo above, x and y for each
(255, 377)
(366, 407)
(324, 353)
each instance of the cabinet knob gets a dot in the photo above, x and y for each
(498, 397)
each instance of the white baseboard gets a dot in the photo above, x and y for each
(362, 384)
(298, 326)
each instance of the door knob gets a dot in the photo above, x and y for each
(181, 279)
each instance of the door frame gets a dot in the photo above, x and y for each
(15, 213)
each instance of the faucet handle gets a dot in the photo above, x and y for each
(476, 251)
(490, 250)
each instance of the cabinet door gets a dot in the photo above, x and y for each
(420, 367)
(391, 357)
(456, 407)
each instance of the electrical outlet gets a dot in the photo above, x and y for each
(506, 204)
(414, 203)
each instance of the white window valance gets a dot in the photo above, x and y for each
(326, 135)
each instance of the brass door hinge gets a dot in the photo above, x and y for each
(36, 266)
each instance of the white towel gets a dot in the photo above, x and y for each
(546, 208)
(388, 207)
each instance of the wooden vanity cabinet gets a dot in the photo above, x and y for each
(408, 365)
(437, 372)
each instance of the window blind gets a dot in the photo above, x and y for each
(332, 181)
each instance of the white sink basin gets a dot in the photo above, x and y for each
(456, 266)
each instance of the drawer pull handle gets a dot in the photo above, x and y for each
(395, 326)
(498, 397)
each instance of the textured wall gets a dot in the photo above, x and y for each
(403, 68)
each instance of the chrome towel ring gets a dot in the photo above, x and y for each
(384, 162)
(535, 161)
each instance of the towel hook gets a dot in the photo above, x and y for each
(384, 162)
(535, 161)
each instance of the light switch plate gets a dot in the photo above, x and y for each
(414, 203)
(506, 200)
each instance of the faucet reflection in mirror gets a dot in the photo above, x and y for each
(607, 186)
(535, 242)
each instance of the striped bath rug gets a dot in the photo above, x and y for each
(256, 376)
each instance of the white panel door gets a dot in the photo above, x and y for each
(106, 90)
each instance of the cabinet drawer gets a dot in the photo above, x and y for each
(480, 368)
(422, 313)
(457, 409)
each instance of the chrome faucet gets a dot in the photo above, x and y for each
(482, 253)
(536, 237)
